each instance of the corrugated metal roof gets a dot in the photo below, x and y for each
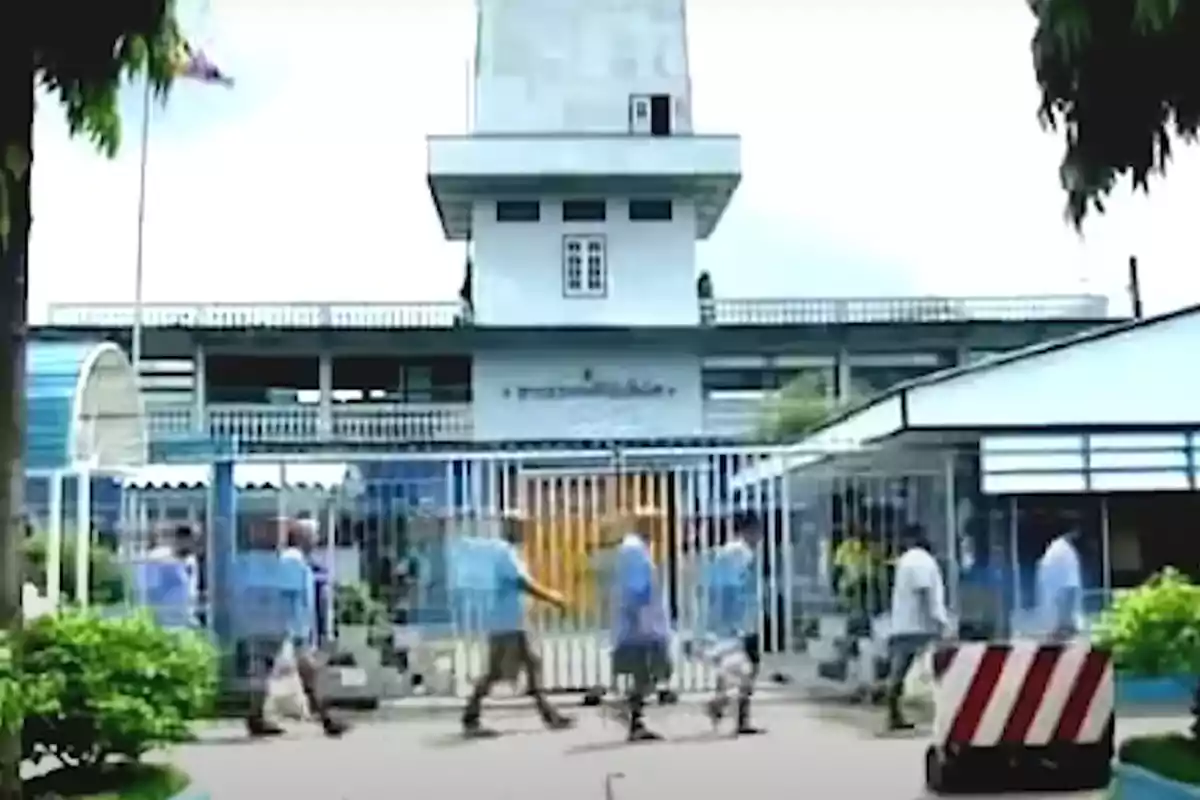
(324, 476)
(53, 375)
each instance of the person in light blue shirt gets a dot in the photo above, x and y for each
(732, 589)
(509, 650)
(170, 580)
(641, 632)
(286, 584)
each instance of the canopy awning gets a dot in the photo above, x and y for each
(321, 476)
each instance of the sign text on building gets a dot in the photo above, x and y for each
(592, 387)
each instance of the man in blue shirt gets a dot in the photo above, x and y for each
(642, 634)
(300, 540)
(734, 615)
(509, 650)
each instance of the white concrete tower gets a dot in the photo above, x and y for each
(582, 187)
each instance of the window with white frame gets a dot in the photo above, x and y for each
(585, 266)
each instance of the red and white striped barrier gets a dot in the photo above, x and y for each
(1022, 694)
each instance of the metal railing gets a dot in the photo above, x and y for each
(369, 423)
(357, 423)
(720, 312)
(260, 315)
(859, 310)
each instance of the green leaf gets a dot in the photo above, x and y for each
(16, 161)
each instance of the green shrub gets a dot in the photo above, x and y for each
(1173, 756)
(108, 578)
(354, 605)
(11, 706)
(1154, 630)
(96, 687)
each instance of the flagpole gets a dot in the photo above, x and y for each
(139, 265)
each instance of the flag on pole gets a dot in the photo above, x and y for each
(195, 65)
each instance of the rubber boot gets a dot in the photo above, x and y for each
(472, 727)
(638, 732)
(331, 725)
(744, 726)
(895, 717)
(260, 727)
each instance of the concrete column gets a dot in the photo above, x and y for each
(200, 391)
(841, 376)
(325, 386)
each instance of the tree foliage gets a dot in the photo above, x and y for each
(82, 65)
(78, 54)
(1119, 79)
(801, 405)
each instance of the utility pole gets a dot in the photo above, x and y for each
(1135, 289)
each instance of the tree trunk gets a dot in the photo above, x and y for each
(16, 130)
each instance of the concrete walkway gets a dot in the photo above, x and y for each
(810, 751)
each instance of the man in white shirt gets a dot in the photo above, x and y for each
(918, 615)
(1060, 588)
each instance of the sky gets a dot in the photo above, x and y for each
(889, 147)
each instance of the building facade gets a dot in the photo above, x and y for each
(581, 194)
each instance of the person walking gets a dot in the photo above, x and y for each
(300, 540)
(171, 575)
(918, 616)
(734, 621)
(510, 651)
(641, 652)
(1060, 588)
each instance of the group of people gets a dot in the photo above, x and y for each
(170, 587)
(641, 628)
(919, 615)
(642, 635)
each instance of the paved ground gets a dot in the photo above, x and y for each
(811, 751)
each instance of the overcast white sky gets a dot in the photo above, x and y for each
(890, 146)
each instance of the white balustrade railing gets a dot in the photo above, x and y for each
(382, 424)
(260, 315)
(719, 312)
(859, 310)
(296, 424)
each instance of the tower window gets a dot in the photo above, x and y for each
(518, 211)
(585, 266)
(650, 210)
(583, 211)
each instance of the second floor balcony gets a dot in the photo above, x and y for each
(379, 424)
(295, 424)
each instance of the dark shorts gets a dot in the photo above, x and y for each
(509, 654)
(256, 656)
(645, 662)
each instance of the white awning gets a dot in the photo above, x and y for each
(324, 476)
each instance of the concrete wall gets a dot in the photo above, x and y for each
(518, 275)
(572, 65)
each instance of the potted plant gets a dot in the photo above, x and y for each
(1153, 632)
(359, 617)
